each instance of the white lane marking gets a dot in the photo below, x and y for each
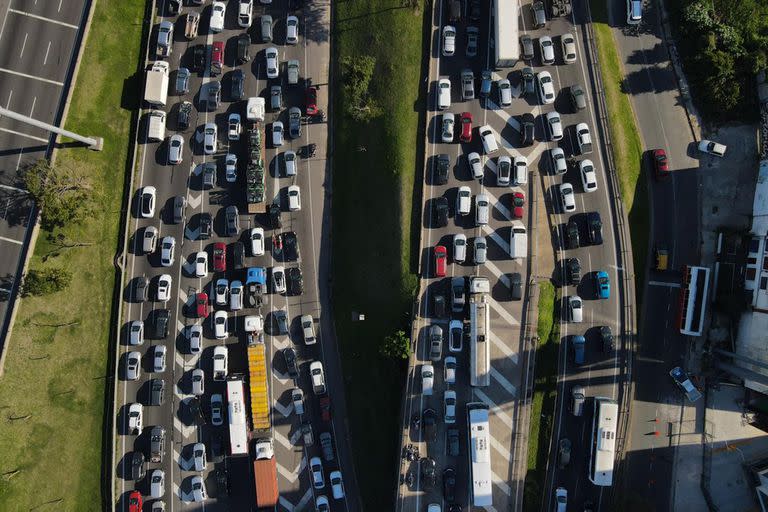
(300, 505)
(503, 114)
(497, 412)
(501, 484)
(503, 450)
(660, 283)
(504, 313)
(11, 240)
(14, 132)
(24, 75)
(289, 475)
(23, 45)
(511, 389)
(43, 18)
(14, 189)
(503, 347)
(496, 237)
(282, 409)
(45, 60)
(536, 153)
(280, 438)
(10, 95)
(5, 18)
(498, 204)
(494, 269)
(60, 2)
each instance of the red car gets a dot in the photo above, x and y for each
(518, 201)
(311, 101)
(201, 303)
(660, 163)
(135, 502)
(441, 257)
(219, 257)
(325, 408)
(217, 58)
(466, 127)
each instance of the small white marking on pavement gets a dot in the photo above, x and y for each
(280, 438)
(289, 475)
(281, 343)
(23, 45)
(501, 484)
(282, 409)
(660, 283)
(47, 51)
(503, 450)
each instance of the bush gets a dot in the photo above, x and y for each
(396, 346)
(356, 76)
(46, 281)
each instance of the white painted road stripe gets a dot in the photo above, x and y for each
(503, 381)
(8, 187)
(668, 285)
(42, 18)
(24, 75)
(503, 450)
(20, 134)
(503, 347)
(501, 484)
(504, 313)
(11, 240)
(496, 237)
(493, 268)
(497, 412)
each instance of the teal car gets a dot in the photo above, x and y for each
(603, 285)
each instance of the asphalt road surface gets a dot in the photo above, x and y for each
(310, 225)
(39, 42)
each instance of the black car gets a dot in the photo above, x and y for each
(428, 472)
(573, 271)
(174, 7)
(441, 212)
(595, 228)
(527, 79)
(449, 484)
(527, 129)
(572, 234)
(137, 466)
(606, 339)
(238, 84)
(162, 319)
(157, 392)
(142, 289)
(474, 10)
(274, 216)
(290, 362)
(295, 281)
(290, 246)
(206, 226)
(185, 113)
(440, 306)
(526, 44)
(238, 255)
(442, 163)
(231, 221)
(198, 57)
(516, 286)
(429, 421)
(209, 175)
(453, 442)
(243, 48)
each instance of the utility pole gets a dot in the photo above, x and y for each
(93, 143)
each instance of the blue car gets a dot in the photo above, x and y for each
(579, 344)
(603, 285)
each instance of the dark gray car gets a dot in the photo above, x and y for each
(179, 206)
(527, 79)
(266, 28)
(137, 466)
(157, 392)
(209, 175)
(182, 81)
(157, 444)
(526, 43)
(232, 221)
(516, 286)
(276, 97)
(214, 95)
(294, 122)
(238, 84)
(142, 289)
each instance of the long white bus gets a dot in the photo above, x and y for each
(238, 428)
(479, 350)
(479, 454)
(603, 447)
(506, 34)
(694, 291)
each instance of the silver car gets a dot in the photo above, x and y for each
(277, 133)
(448, 123)
(167, 251)
(157, 484)
(182, 81)
(505, 92)
(158, 360)
(266, 28)
(210, 136)
(435, 343)
(289, 157)
(198, 452)
(291, 30)
(481, 249)
(467, 85)
(198, 382)
(133, 365)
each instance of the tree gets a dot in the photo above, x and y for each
(45, 281)
(63, 194)
(396, 346)
(356, 76)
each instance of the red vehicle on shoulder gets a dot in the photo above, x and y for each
(660, 163)
(201, 303)
(325, 408)
(135, 502)
(311, 101)
(518, 201)
(466, 127)
(441, 257)
(219, 257)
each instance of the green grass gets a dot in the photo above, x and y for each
(375, 165)
(544, 395)
(627, 145)
(52, 395)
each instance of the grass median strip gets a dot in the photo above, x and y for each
(53, 391)
(375, 165)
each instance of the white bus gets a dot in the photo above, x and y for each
(479, 351)
(238, 428)
(505, 32)
(694, 292)
(479, 454)
(603, 447)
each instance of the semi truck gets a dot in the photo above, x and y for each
(479, 320)
(256, 186)
(258, 386)
(156, 86)
(265, 474)
(506, 46)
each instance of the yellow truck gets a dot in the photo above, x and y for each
(258, 387)
(661, 257)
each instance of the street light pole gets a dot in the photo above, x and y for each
(93, 143)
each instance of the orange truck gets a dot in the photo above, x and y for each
(265, 474)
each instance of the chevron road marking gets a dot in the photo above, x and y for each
(289, 475)
(497, 412)
(503, 381)
(281, 343)
(501, 484)
(499, 205)
(280, 438)
(193, 201)
(282, 409)
(496, 237)
(503, 347)
(300, 505)
(493, 268)
(503, 450)
(504, 313)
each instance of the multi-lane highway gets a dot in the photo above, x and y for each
(177, 415)
(39, 42)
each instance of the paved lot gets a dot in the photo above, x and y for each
(38, 41)
(310, 224)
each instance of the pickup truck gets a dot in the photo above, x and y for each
(682, 380)
(193, 21)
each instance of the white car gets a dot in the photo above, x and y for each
(427, 379)
(135, 418)
(546, 88)
(503, 170)
(221, 292)
(158, 359)
(297, 399)
(712, 148)
(198, 489)
(482, 209)
(220, 366)
(455, 336)
(218, 12)
(220, 324)
(257, 241)
(308, 329)
(277, 133)
(449, 407)
(575, 307)
(449, 370)
(175, 149)
(210, 138)
(157, 484)
(291, 30)
(164, 284)
(521, 170)
(236, 296)
(561, 499)
(147, 202)
(555, 126)
(195, 337)
(201, 264)
(133, 365)
(337, 485)
(480, 250)
(217, 409)
(167, 251)
(463, 200)
(448, 123)
(505, 92)
(588, 175)
(245, 13)
(198, 382)
(476, 165)
(317, 375)
(634, 12)
(547, 50)
(136, 336)
(294, 198)
(316, 467)
(273, 64)
(567, 199)
(583, 138)
(278, 279)
(198, 452)
(230, 163)
(490, 145)
(234, 127)
(568, 43)
(443, 94)
(449, 40)
(459, 247)
(289, 158)
(559, 162)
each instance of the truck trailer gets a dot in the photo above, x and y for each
(265, 474)
(156, 86)
(506, 34)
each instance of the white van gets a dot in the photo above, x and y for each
(443, 94)
(463, 200)
(518, 241)
(155, 126)
(255, 109)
